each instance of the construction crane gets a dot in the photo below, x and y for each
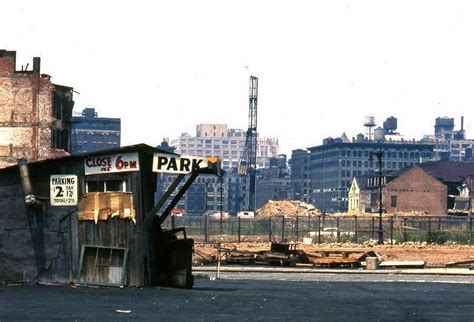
(248, 160)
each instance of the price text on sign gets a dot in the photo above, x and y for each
(168, 163)
(63, 190)
(111, 163)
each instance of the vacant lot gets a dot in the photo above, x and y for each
(431, 253)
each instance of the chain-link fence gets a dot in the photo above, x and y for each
(321, 229)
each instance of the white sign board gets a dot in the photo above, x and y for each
(63, 190)
(111, 163)
(179, 164)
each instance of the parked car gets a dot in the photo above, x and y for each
(217, 215)
(331, 233)
(246, 214)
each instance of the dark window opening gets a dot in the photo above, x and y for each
(106, 186)
(393, 201)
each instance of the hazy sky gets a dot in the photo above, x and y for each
(165, 66)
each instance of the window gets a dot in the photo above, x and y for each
(393, 201)
(106, 186)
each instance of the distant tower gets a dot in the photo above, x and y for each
(369, 123)
(444, 128)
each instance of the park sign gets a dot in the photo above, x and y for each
(177, 164)
(63, 190)
(111, 163)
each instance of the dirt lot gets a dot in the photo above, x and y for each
(431, 253)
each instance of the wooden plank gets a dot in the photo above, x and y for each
(470, 261)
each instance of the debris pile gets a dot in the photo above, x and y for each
(287, 208)
(284, 254)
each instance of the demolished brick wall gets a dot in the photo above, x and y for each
(26, 113)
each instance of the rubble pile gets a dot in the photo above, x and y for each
(287, 208)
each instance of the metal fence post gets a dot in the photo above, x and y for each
(338, 230)
(297, 229)
(373, 227)
(319, 229)
(282, 228)
(238, 231)
(269, 229)
(218, 273)
(232, 227)
(309, 225)
(173, 221)
(404, 229)
(205, 228)
(355, 230)
(470, 231)
(391, 230)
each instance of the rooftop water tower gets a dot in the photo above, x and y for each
(379, 134)
(390, 125)
(369, 123)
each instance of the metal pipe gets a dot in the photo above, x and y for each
(30, 198)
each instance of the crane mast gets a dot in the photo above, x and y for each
(248, 160)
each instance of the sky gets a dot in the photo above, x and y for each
(165, 66)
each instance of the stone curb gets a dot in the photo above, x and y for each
(418, 271)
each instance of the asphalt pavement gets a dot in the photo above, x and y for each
(254, 296)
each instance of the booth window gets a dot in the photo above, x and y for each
(106, 186)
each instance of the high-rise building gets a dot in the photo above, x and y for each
(208, 193)
(450, 144)
(334, 164)
(92, 133)
(35, 114)
(228, 144)
(300, 175)
(273, 183)
(444, 128)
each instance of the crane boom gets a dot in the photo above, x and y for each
(248, 161)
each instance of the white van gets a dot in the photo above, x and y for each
(218, 215)
(246, 214)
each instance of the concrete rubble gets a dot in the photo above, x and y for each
(287, 208)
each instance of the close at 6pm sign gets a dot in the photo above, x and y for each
(63, 190)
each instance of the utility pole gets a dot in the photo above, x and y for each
(379, 155)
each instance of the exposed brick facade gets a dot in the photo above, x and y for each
(35, 114)
(415, 190)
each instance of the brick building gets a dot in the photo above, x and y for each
(416, 190)
(35, 115)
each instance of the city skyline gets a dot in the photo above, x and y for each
(164, 67)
